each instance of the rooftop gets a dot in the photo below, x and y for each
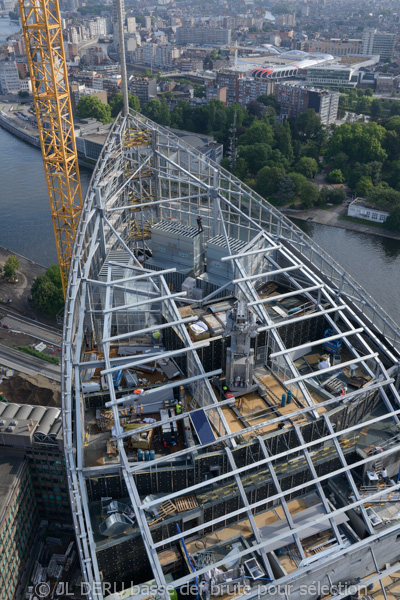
(10, 469)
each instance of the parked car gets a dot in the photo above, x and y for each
(6, 326)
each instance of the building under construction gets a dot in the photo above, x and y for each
(230, 394)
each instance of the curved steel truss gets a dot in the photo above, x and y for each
(123, 288)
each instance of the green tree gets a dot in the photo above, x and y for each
(268, 179)
(256, 156)
(23, 94)
(284, 141)
(336, 196)
(199, 91)
(393, 221)
(363, 186)
(164, 115)
(383, 197)
(11, 266)
(299, 180)
(91, 106)
(258, 132)
(153, 109)
(286, 191)
(117, 101)
(308, 125)
(307, 166)
(375, 170)
(376, 107)
(241, 168)
(269, 100)
(47, 292)
(309, 195)
(368, 92)
(335, 176)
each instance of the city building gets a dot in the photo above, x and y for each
(208, 36)
(385, 84)
(375, 42)
(229, 79)
(296, 99)
(144, 88)
(362, 209)
(205, 144)
(286, 19)
(250, 89)
(131, 24)
(9, 77)
(35, 434)
(337, 47)
(90, 136)
(79, 91)
(332, 76)
(19, 520)
(214, 92)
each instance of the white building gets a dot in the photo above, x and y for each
(10, 82)
(131, 24)
(361, 209)
(374, 42)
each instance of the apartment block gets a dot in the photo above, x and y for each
(209, 36)
(144, 88)
(19, 520)
(296, 99)
(250, 88)
(229, 79)
(375, 42)
(9, 77)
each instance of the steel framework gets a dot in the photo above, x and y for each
(41, 24)
(170, 180)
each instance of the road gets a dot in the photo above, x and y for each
(44, 333)
(30, 365)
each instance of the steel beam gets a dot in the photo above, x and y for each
(317, 342)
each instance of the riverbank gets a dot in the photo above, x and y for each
(333, 218)
(33, 140)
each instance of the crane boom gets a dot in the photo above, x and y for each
(41, 25)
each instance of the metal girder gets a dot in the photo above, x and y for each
(302, 318)
(160, 389)
(317, 342)
(251, 253)
(161, 326)
(276, 420)
(330, 369)
(266, 274)
(253, 524)
(151, 300)
(298, 292)
(284, 505)
(276, 457)
(154, 357)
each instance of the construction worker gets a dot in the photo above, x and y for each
(178, 408)
(343, 391)
(199, 224)
(324, 362)
(155, 336)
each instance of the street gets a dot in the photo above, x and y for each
(30, 365)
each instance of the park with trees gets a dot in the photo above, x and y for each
(280, 160)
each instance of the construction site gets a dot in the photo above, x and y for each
(230, 395)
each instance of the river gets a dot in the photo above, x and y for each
(26, 227)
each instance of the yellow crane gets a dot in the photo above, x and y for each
(41, 24)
